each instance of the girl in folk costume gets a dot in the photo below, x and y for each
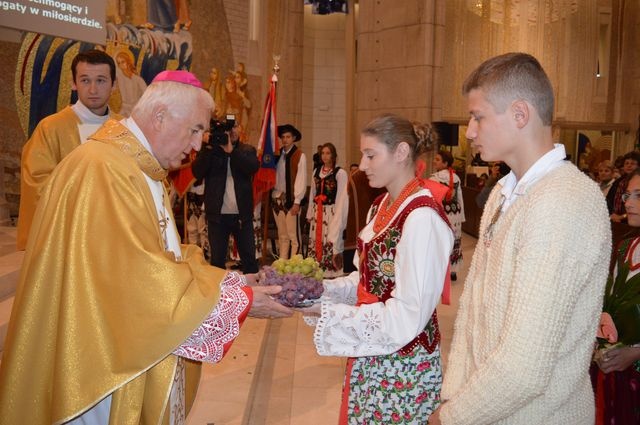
(616, 378)
(453, 205)
(382, 316)
(329, 183)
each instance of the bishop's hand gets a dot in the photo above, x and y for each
(264, 306)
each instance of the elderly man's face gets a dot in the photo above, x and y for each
(179, 132)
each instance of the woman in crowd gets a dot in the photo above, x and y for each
(615, 204)
(329, 184)
(453, 204)
(383, 316)
(605, 176)
(617, 381)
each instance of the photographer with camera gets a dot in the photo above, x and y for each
(228, 166)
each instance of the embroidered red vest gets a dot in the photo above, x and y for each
(377, 269)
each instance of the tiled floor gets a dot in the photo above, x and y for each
(292, 384)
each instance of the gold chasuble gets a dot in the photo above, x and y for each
(100, 304)
(53, 139)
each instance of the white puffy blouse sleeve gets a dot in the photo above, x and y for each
(312, 194)
(422, 257)
(339, 219)
(300, 184)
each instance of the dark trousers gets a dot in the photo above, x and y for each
(347, 260)
(219, 230)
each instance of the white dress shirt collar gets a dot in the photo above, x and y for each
(133, 127)
(512, 188)
(88, 117)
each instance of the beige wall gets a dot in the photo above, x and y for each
(323, 85)
(398, 55)
(626, 107)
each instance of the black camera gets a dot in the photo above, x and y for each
(220, 130)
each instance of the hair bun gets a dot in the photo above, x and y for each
(426, 137)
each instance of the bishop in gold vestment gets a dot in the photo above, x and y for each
(105, 307)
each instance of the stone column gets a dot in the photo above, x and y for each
(398, 56)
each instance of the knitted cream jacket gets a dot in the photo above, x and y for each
(528, 314)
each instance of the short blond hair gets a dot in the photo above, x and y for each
(513, 76)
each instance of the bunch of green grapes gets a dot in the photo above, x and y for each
(301, 280)
(305, 266)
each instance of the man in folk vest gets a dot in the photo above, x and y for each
(291, 186)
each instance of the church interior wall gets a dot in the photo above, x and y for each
(324, 95)
(404, 56)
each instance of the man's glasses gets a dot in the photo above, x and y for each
(630, 196)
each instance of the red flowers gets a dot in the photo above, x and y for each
(424, 366)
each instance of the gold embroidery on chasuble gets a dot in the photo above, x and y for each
(114, 133)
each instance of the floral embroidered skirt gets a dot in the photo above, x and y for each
(326, 261)
(394, 389)
(456, 254)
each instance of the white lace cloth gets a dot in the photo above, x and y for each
(420, 264)
(206, 343)
(341, 289)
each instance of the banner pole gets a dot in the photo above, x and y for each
(266, 196)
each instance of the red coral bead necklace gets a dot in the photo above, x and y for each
(386, 211)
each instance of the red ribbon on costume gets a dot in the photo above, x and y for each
(365, 297)
(439, 192)
(319, 200)
(450, 192)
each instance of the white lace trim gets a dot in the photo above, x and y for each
(341, 291)
(206, 343)
(351, 331)
(310, 320)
